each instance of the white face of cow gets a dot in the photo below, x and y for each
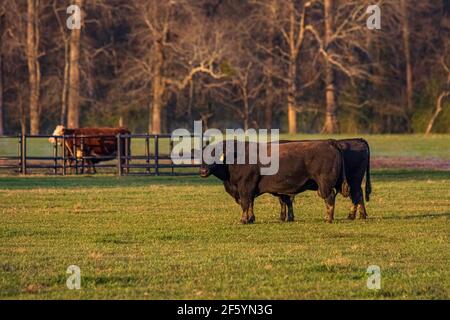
(59, 131)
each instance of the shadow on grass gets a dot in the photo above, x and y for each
(416, 216)
(110, 181)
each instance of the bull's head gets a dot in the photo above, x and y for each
(59, 131)
(207, 169)
(219, 168)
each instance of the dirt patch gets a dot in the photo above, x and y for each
(409, 163)
(376, 163)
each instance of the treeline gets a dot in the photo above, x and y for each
(301, 66)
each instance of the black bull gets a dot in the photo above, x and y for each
(356, 154)
(309, 165)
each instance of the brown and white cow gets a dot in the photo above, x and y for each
(98, 144)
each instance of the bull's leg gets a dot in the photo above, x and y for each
(283, 209)
(247, 209)
(362, 209)
(250, 214)
(287, 200)
(245, 206)
(330, 204)
(290, 217)
(352, 214)
(355, 195)
(358, 203)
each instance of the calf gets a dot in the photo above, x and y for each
(303, 166)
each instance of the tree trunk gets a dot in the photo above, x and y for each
(34, 75)
(73, 103)
(156, 109)
(437, 111)
(65, 89)
(407, 52)
(292, 110)
(268, 110)
(2, 129)
(331, 124)
(191, 102)
(246, 110)
(158, 87)
(22, 112)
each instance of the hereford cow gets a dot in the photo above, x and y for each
(302, 166)
(356, 154)
(97, 144)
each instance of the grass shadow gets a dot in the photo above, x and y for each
(417, 216)
(111, 181)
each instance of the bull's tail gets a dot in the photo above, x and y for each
(368, 182)
(345, 188)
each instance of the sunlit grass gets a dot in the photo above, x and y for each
(179, 238)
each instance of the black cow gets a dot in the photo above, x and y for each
(302, 166)
(356, 154)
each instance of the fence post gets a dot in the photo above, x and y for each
(147, 153)
(156, 155)
(23, 154)
(55, 156)
(119, 156)
(82, 154)
(127, 155)
(64, 155)
(19, 152)
(170, 153)
(74, 153)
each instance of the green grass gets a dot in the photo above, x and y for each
(179, 238)
(415, 145)
(433, 146)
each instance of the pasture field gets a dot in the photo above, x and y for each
(417, 145)
(179, 238)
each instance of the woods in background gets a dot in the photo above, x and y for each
(301, 66)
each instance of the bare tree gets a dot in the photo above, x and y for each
(73, 101)
(34, 72)
(240, 91)
(407, 53)
(170, 54)
(65, 82)
(287, 22)
(293, 33)
(2, 130)
(331, 120)
(444, 93)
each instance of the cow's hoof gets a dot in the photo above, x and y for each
(251, 220)
(283, 218)
(328, 220)
(244, 221)
(290, 219)
(351, 216)
(363, 216)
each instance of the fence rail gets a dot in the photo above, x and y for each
(64, 160)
